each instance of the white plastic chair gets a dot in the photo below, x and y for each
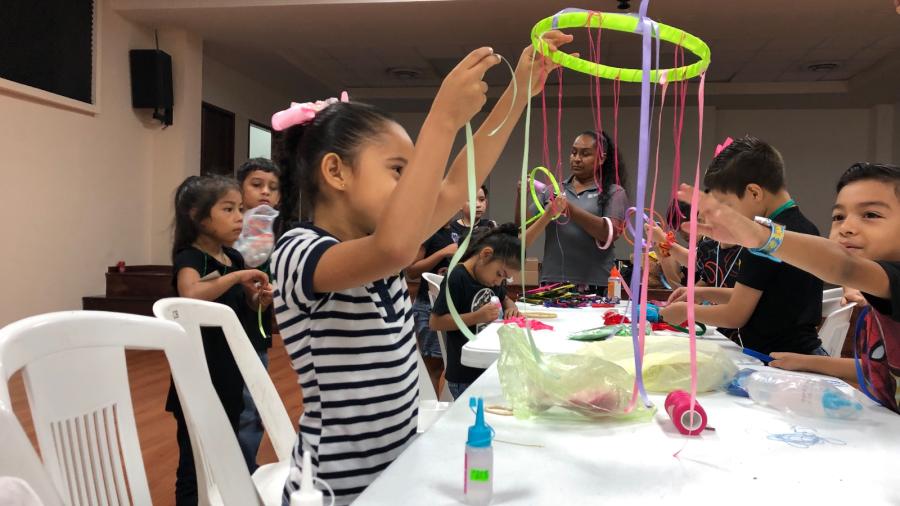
(192, 314)
(76, 380)
(832, 293)
(833, 332)
(434, 287)
(18, 460)
(830, 305)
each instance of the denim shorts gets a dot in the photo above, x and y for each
(428, 339)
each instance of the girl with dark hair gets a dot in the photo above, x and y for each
(493, 256)
(207, 220)
(342, 305)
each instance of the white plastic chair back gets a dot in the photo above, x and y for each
(832, 293)
(830, 305)
(18, 460)
(434, 288)
(834, 331)
(77, 385)
(192, 314)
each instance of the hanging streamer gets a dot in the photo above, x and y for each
(472, 193)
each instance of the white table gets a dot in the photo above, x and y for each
(485, 349)
(615, 462)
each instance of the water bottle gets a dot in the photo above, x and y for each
(800, 395)
(479, 477)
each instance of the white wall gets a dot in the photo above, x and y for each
(817, 145)
(85, 191)
(247, 97)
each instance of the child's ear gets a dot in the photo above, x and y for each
(334, 172)
(755, 191)
(487, 253)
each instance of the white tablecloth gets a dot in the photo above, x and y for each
(483, 351)
(746, 460)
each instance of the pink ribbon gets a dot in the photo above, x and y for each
(301, 114)
(523, 323)
(725, 144)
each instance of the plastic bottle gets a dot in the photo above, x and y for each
(496, 301)
(308, 495)
(479, 477)
(614, 284)
(800, 395)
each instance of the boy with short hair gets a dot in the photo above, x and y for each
(260, 182)
(775, 306)
(863, 253)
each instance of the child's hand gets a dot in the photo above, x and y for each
(250, 277)
(679, 295)
(265, 295)
(657, 234)
(512, 312)
(462, 93)
(488, 313)
(674, 314)
(542, 66)
(449, 250)
(789, 361)
(852, 295)
(723, 223)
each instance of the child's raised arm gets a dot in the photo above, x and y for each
(819, 256)
(488, 147)
(399, 232)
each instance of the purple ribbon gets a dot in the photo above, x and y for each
(643, 162)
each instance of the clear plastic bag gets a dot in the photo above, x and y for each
(257, 238)
(562, 385)
(667, 362)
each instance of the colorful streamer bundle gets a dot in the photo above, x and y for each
(649, 30)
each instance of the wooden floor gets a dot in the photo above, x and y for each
(148, 373)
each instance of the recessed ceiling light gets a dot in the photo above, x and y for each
(404, 73)
(822, 66)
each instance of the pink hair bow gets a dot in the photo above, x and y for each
(725, 144)
(301, 114)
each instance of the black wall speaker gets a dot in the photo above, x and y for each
(151, 82)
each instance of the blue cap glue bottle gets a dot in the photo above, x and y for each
(479, 478)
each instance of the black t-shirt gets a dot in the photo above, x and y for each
(440, 240)
(225, 375)
(790, 307)
(462, 231)
(468, 296)
(718, 266)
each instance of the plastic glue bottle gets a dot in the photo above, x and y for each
(479, 477)
(614, 284)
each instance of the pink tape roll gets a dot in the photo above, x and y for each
(678, 406)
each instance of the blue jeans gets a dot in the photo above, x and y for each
(457, 389)
(250, 428)
(820, 351)
(428, 339)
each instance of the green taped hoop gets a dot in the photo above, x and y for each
(534, 197)
(620, 23)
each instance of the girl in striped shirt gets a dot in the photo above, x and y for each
(341, 304)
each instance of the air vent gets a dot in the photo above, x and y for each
(404, 73)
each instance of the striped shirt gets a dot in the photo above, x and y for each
(354, 354)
